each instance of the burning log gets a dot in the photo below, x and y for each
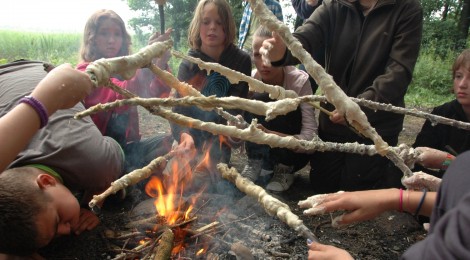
(163, 250)
(130, 179)
(273, 206)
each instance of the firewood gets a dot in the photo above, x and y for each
(241, 251)
(163, 250)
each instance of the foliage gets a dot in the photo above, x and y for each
(442, 37)
(432, 80)
(178, 15)
(446, 24)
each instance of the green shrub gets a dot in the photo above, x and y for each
(432, 80)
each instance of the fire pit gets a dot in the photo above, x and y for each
(242, 223)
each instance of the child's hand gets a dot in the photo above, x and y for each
(87, 221)
(421, 180)
(273, 49)
(337, 118)
(320, 251)
(62, 88)
(157, 37)
(360, 205)
(186, 146)
(432, 158)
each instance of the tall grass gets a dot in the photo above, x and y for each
(55, 48)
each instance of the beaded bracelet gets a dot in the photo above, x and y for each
(420, 204)
(38, 107)
(447, 161)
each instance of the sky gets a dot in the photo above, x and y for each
(64, 15)
(56, 15)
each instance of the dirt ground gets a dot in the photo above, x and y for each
(385, 237)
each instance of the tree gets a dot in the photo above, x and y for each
(178, 15)
(446, 25)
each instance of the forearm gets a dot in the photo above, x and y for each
(17, 128)
(411, 200)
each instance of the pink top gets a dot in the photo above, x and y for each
(144, 84)
(297, 81)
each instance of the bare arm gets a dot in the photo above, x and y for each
(62, 88)
(365, 205)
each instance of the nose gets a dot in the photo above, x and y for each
(464, 83)
(64, 229)
(111, 39)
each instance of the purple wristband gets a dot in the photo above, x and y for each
(38, 107)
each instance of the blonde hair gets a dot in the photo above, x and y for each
(88, 49)
(462, 61)
(228, 23)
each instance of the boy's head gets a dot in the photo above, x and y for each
(461, 62)
(461, 79)
(35, 208)
(268, 74)
(227, 21)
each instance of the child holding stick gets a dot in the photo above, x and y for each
(105, 36)
(45, 166)
(211, 37)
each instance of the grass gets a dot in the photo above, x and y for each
(430, 87)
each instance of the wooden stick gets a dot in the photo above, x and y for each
(272, 206)
(131, 179)
(101, 70)
(163, 251)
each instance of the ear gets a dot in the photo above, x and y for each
(44, 180)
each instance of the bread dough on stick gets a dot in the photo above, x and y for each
(271, 205)
(275, 92)
(101, 70)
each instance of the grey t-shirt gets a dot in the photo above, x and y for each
(84, 158)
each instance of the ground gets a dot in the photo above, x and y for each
(385, 237)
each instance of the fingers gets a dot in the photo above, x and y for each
(319, 251)
(87, 221)
(157, 37)
(322, 203)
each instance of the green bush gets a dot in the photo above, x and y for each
(432, 80)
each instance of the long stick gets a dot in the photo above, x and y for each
(131, 179)
(273, 206)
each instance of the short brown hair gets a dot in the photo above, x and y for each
(463, 60)
(88, 50)
(20, 204)
(225, 13)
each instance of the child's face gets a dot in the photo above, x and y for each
(61, 216)
(109, 39)
(462, 86)
(212, 31)
(268, 74)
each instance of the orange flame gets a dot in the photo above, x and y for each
(200, 252)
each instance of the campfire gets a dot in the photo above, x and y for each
(184, 220)
(183, 225)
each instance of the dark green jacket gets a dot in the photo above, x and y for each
(369, 57)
